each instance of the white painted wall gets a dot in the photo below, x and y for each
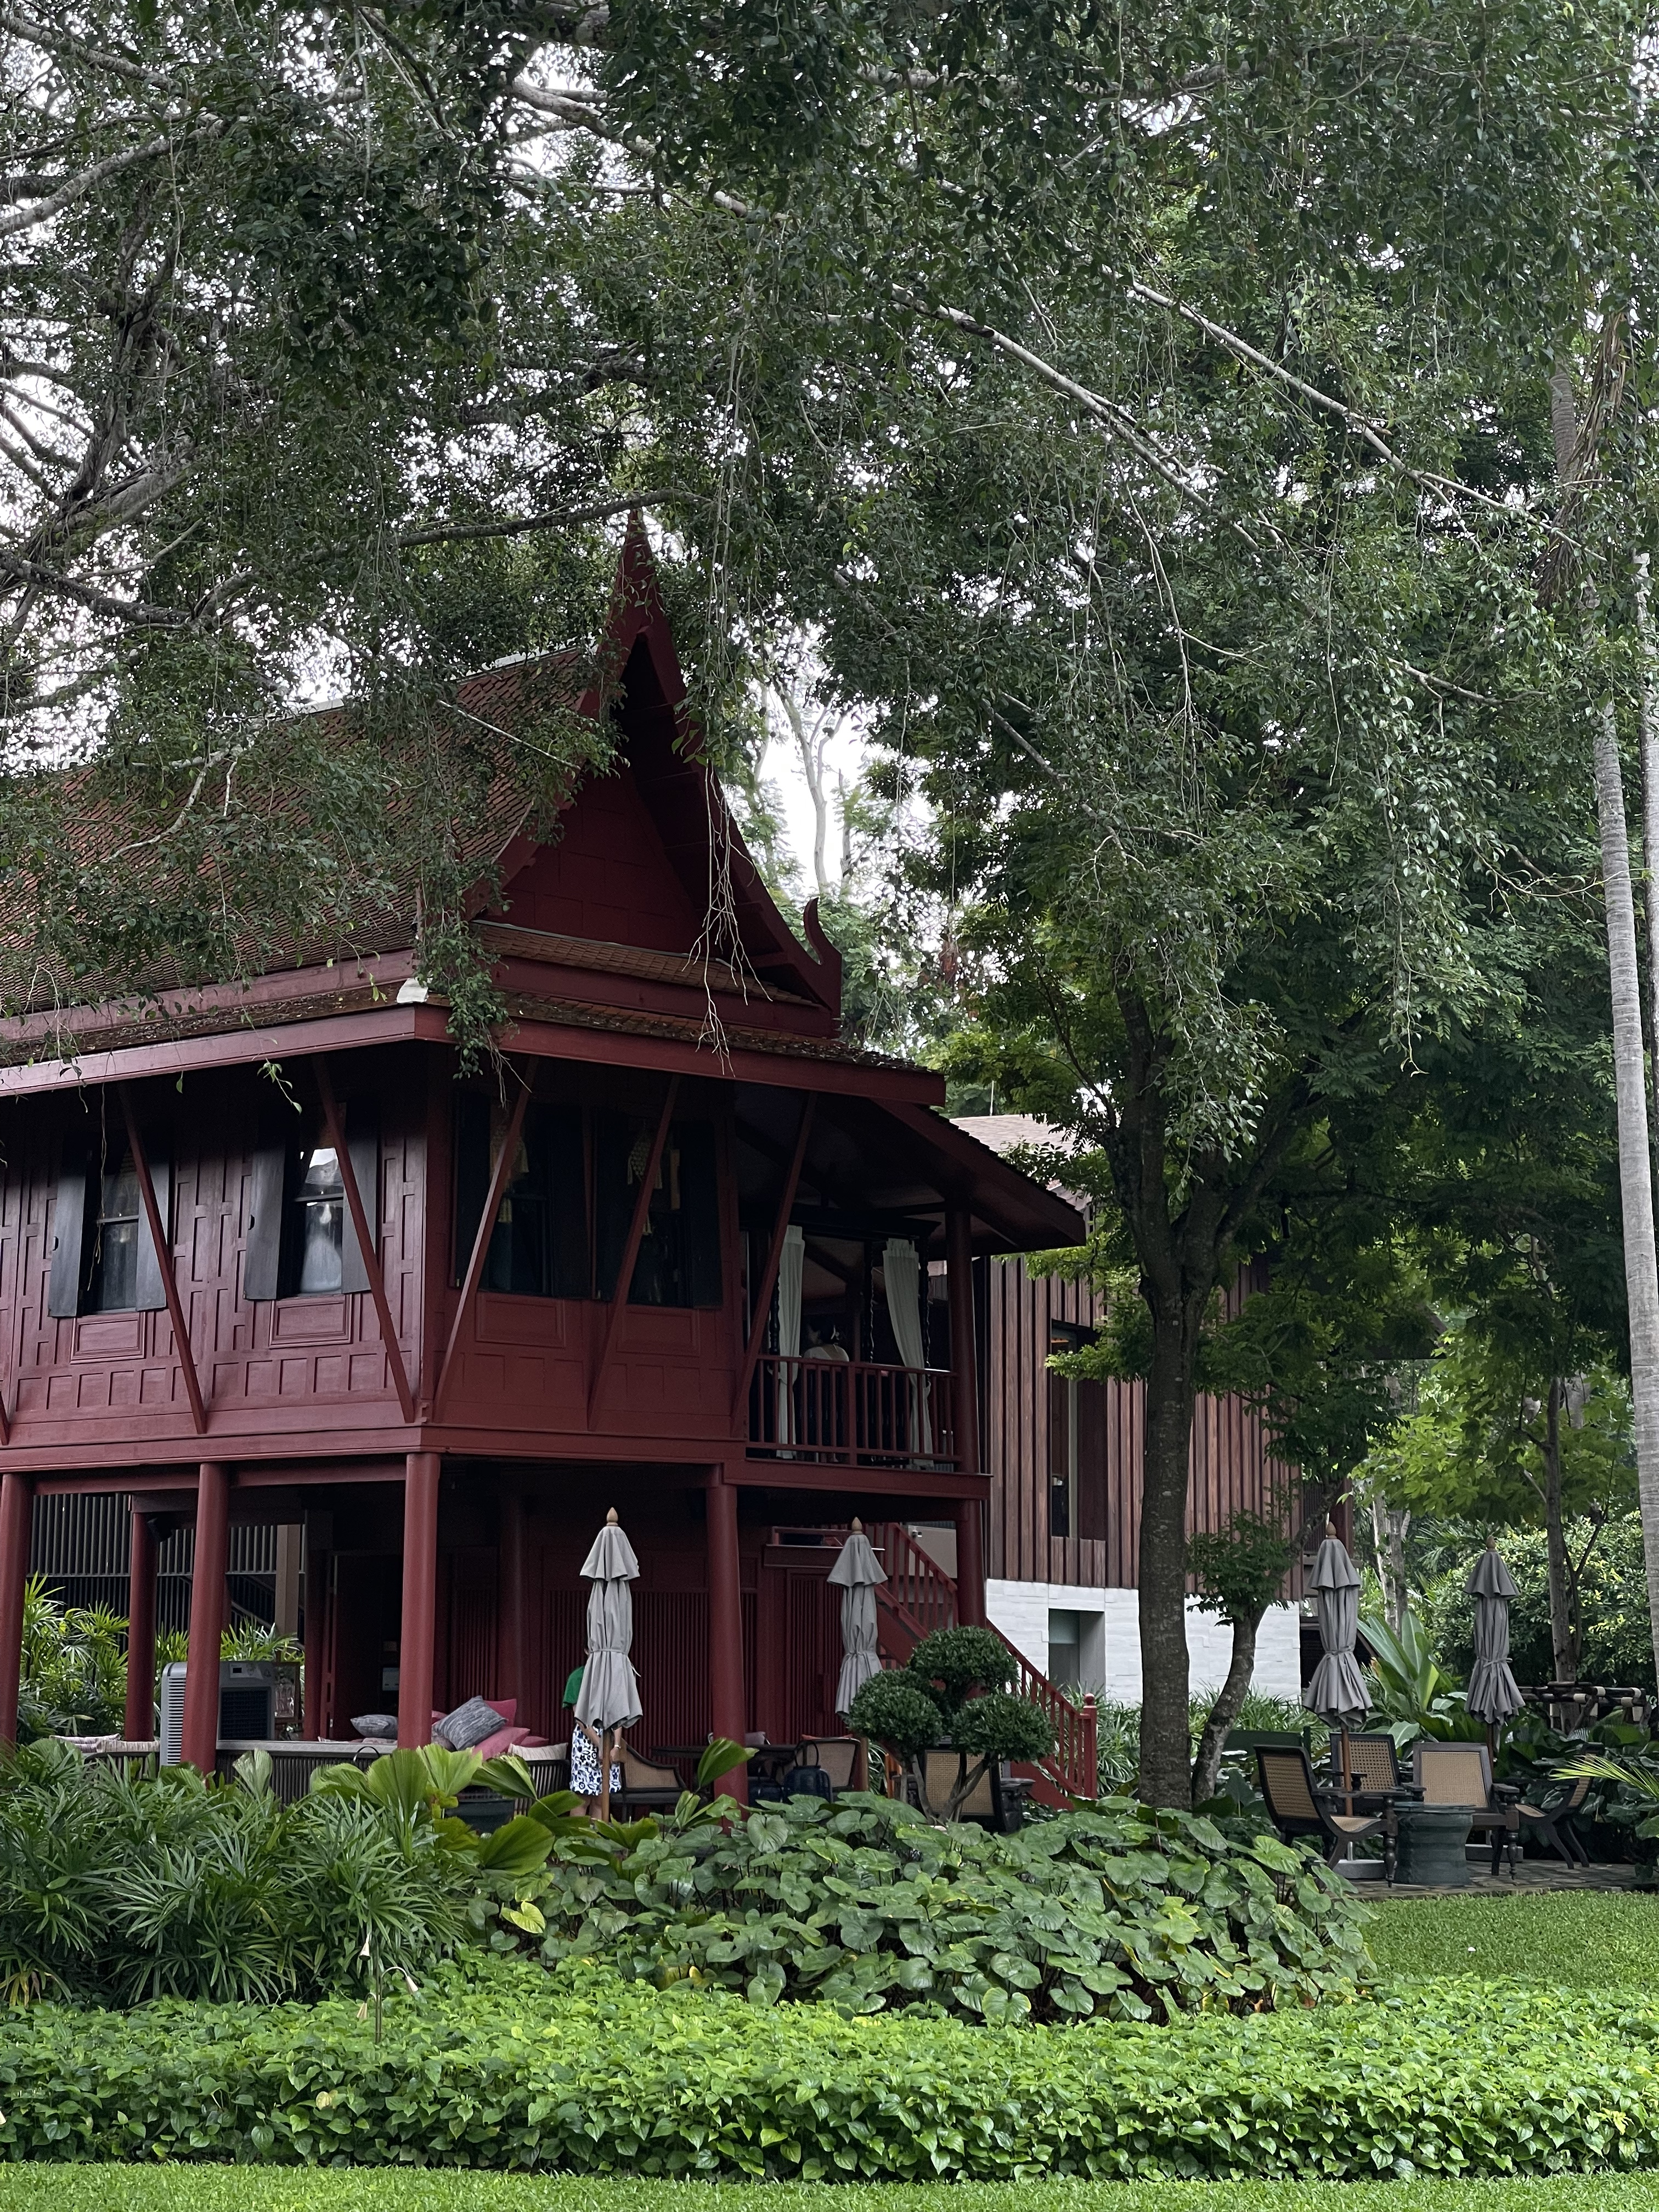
(1021, 1611)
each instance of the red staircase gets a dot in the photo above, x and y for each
(918, 1597)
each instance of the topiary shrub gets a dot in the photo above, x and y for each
(931, 1701)
(896, 1710)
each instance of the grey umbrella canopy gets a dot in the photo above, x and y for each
(1492, 1695)
(855, 1574)
(610, 1695)
(1337, 1691)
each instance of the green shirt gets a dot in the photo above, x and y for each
(573, 1688)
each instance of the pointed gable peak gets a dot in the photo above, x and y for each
(649, 852)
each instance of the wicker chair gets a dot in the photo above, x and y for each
(1298, 1809)
(1374, 1772)
(646, 1787)
(1459, 1775)
(842, 1758)
(993, 1802)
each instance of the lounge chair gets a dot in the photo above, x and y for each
(1459, 1775)
(1300, 1808)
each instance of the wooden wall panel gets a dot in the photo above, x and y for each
(1231, 1470)
(251, 1359)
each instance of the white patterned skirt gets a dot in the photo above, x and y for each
(585, 1768)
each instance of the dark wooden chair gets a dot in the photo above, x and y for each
(646, 1786)
(842, 1758)
(1374, 1771)
(1301, 1809)
(1459, 1776)
(1553, 1822)
(996, 1801)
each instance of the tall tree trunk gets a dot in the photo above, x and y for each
(1563, 1657)
(1635, 1173)
(1388, 1526)
(1165, 1689)
(1229, 1703)
(1649, 806)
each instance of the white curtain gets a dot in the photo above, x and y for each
(790, 1266)
(901, 1275)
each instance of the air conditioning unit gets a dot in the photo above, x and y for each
(247, 1698)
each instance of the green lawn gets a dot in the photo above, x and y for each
(1577, 1939)
(233, 2189)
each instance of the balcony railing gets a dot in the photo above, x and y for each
(851, 1413)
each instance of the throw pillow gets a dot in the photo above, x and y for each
(379, 1727)
(468, 1725)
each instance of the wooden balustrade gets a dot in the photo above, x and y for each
(850, 1413)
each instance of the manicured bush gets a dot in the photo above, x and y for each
(866, 1905)
(579, 2072)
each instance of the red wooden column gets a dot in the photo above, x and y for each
(510, 1673)
(964, 1390)
(207, 1617)
(16, 1496)
(418, 1632)
(140, 1722)
(728, 1711)
(320, 1529)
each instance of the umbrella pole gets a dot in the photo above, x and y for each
(1347, 1771)
(604, 1773)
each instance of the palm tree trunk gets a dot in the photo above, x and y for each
(1650, 804)
(1555, 1538)
(1635, 1172)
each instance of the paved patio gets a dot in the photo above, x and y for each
(1532, 1876)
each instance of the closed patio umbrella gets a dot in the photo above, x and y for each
(855, 1574)
(1492, 1695)
(1337, 1692)
(609, 1698)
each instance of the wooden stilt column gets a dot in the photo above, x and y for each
(319, 1543)
(16, 1497)
(140, 1721)
(207, 1617)
(728, 1709)
(964, 1389)
(510, 1675)
(418, 1631)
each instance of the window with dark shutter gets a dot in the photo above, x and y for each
(1092, 1499)
(69, 1225)
(1062, 1465)
(538, 1245)
(679, 1261)
(300, 1239)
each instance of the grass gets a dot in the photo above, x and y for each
(233, 2189)
(1576, 1939)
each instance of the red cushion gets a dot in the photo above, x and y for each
(503, 1740)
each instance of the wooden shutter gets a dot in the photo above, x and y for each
(262, 1255)
(1059, 1427)
(362, 1123)
(69, 1226)
(1091, 1461)
(150, 1294)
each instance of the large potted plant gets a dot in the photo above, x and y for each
(952, 1695)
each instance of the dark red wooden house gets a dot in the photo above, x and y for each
(444, 1324)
